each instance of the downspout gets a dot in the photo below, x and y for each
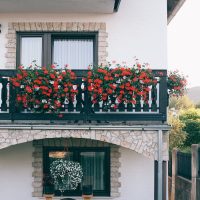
(160, 161)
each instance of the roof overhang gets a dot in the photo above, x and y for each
(59, 6)
(74, 6)
(173, 7)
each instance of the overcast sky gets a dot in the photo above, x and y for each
(184, 41)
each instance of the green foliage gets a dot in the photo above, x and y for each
(192, 113)
(192, 127)
(185, 121)
(191, 119)
(176, 135)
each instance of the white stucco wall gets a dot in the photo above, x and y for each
(138, 30)
(137, 174)
(16, 172)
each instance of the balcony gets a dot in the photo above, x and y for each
(83, 109)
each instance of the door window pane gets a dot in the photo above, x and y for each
(31, 51)
(77, 53)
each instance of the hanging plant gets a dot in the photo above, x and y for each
(66, 174)
(176, 83)
(42, 89)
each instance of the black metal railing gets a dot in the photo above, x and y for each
(184, 164)
(83, 109)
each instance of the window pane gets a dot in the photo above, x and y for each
(77, 53)
(31, 50)
(93, 169)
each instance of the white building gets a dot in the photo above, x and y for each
(124, 158)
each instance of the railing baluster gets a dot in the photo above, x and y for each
(163, 96)
(154, 99)
(150, 98)
(79, 96)
(129, 107)
(4, 95)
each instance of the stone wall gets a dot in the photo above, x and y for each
(71, 142)
(143, 142)
(54, 27)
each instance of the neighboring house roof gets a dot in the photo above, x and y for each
(173, 7)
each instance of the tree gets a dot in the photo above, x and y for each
(191, 119)
(176, 135)
(192, 127)
(183, 102)
(192, 114)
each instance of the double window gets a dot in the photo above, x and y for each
(78, 50)
(95, 163)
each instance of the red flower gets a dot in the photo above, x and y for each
(19, 76)
(46, 106)
(19, 98)
(16, 84)
(38, 82)
(66, 89)
(52, 76)
(90, 88)
(28, 89)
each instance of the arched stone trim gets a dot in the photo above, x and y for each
(57, 27)
(143, 142)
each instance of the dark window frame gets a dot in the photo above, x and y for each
(47, 45)
(76, 157)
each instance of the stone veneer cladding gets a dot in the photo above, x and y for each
(38, 161)
(57, 27)
(143, 142)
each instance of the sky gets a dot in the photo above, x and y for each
(184, 42)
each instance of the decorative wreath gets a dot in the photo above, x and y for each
(66, 174)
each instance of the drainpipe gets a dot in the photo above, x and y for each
(160, 161)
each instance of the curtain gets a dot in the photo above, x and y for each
(93, 169)
(77, 53)
(31, 50)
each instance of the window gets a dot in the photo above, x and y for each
(78, 50)
(31, 50)
(95, 163)
(77, 53)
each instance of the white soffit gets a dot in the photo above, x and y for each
(56, 6)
